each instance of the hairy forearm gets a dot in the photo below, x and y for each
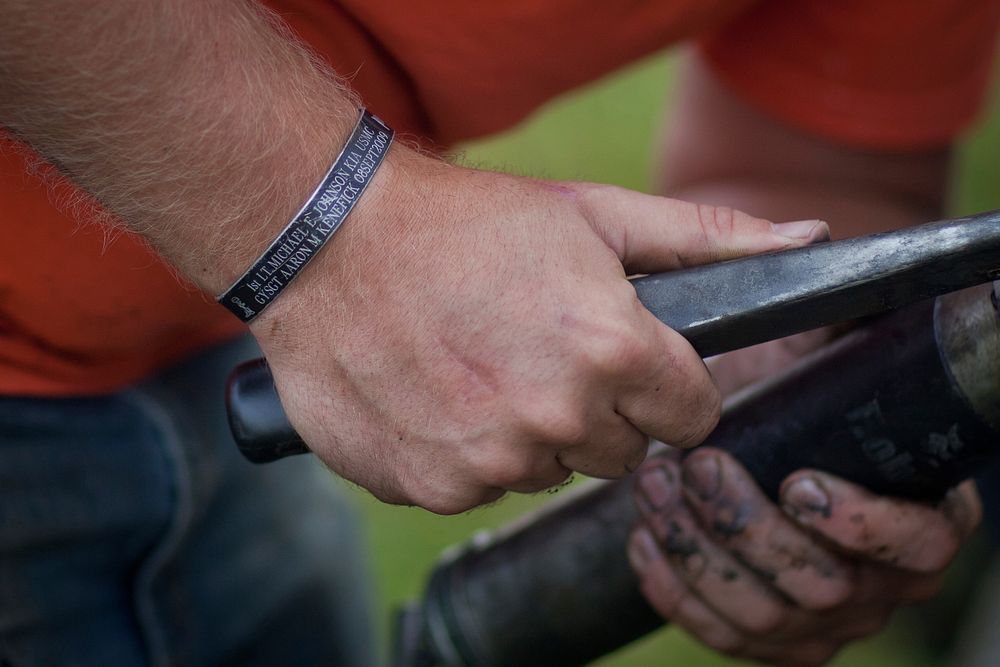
(198, 123)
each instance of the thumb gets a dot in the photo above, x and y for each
(659, 234)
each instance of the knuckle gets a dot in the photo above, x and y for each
(618, 350)
(561, 427)
(704, 416)
(589, 195)
(435, 498)
(716, 221)
(558, 477)
(445, 504)
(556, 420)
(389, 496)
(636, 457)
(505, 471)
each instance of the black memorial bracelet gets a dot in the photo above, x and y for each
(315, 222)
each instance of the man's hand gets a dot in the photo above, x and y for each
(473, 332)
(463, 334)
(727, 564)
(789, 585)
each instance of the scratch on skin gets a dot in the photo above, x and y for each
(559, 189)
(479, 375)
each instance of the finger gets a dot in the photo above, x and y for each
(614, 448)
(418, 477)
(963, 506)
(524, 468)
(562, 428)
(652, 233)
(859, 620)
(908, 535)
(734, 513)
(717, 578)
(671, 396)
(444, 499)
(557, 476)
(673, 600)
(881, 585)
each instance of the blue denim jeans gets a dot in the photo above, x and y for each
(133, 533)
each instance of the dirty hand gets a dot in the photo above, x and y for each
(469, 332)
(788, 585)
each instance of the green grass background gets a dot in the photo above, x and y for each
(607, 133)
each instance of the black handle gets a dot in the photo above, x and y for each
(734, 304)
(257, 421)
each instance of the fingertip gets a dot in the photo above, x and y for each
(904, 534)
(656, 486)
(702, 473)
(805, 231)
(820, 233)
(805, 497)
(642, 550)
(964, 507)
(730, 469)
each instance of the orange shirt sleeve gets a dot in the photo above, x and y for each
(888, 74)
(451, 70)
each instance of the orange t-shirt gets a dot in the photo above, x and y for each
(81, 313)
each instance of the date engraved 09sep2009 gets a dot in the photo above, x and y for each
(315, 222)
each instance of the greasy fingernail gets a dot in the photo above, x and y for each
(813, 230)
(642, 549)
(656, 485)
(807, 496)
(703, 476)
(684, 549)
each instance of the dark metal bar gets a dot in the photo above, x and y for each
(906, 406)
(742, 302)
(729, 305)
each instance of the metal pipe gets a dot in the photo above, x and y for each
(734, 304)
(907, 406)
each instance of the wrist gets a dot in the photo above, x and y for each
(316, 221)
(273, 190)
(341, 270)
